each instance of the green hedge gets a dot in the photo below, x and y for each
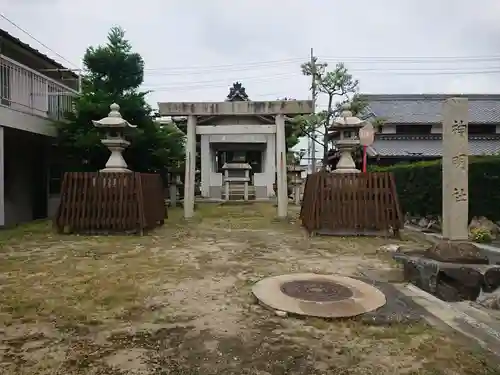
(419, 186)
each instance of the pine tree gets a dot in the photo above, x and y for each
(114, 74)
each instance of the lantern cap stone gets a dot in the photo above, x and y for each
(346, 118)
(114, 119)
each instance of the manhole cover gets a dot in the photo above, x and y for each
(316, 291)
(326, 296)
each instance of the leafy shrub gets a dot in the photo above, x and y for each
(481, 235)
(419, 186)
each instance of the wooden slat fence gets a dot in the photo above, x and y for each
(350, 204)
(93, 202)
(154, 208)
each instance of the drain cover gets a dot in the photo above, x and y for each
(318, 295)
(317, 291)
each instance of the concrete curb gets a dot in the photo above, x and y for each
(460, 316)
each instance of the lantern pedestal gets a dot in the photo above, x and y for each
(116, 163)
(346, 163)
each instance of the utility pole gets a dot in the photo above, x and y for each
(313, 89)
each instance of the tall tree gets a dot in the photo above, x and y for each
(113, 74)
(338, 86)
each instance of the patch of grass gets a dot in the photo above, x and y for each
(182, 295)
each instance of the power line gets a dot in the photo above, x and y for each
(224, 80)
(279, 63)
(224, 66)
(234, 68)
(294, 67)
(429, 72)
(215, 83)
(415, 59)
(181, 86)
(35, 39)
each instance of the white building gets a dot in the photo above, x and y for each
(34, 91)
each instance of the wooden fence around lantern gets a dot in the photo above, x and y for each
(93, 202)
(350, 204)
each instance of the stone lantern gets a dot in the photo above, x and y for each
(347, 126)
(175, 183)
(295, 174)
(114, 126)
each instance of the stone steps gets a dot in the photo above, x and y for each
(237, 192)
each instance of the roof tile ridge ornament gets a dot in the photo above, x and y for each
(237, 93)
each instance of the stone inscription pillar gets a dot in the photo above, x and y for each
(226, 185)
(455, 169)
(281, 167)
(247, 181)
(189, 178)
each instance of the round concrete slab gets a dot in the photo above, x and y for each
(326, 296)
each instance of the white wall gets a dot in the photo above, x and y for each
(267, 178)
(234, 130)
(14, 118)
(389, 129)
(211, 178)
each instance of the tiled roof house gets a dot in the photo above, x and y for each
(412, 125)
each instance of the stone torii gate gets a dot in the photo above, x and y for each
(278, 109)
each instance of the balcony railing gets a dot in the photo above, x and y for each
(25, 90)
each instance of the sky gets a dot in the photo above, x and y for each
(194, 50)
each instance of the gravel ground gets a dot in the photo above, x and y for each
(178, 301)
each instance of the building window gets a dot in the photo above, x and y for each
(59, 103)
(53, 106)
(417, 129)
(482, 129)
(5, 84)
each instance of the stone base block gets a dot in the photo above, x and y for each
(450, 282)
